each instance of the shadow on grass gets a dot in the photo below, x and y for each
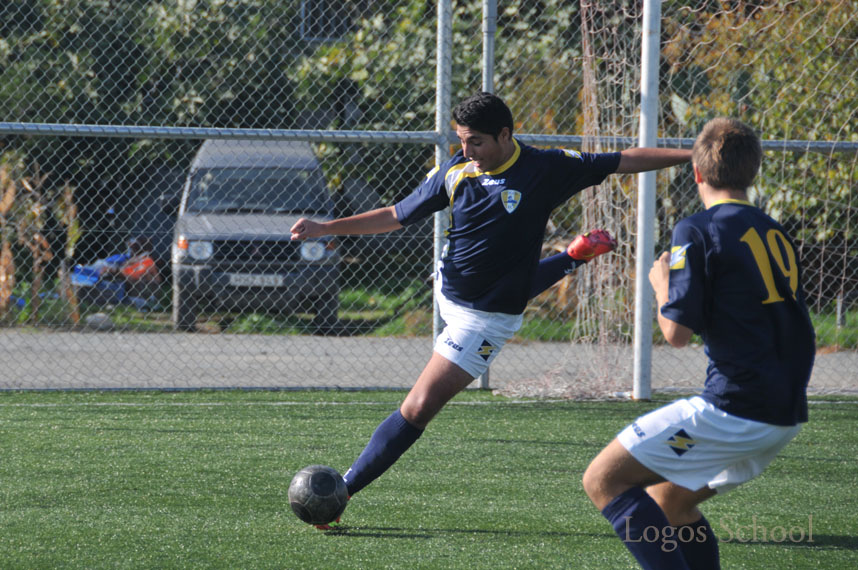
(820, 541)
(433, 533)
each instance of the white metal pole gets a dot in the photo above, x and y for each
(650, 48)
(490, 24)
(443, 71)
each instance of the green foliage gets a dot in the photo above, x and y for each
(207, 63)
(384, 73)
(829, 334)
(789, 82)
(564, 67)
(362, 77)
(546, 330)
(188, 63)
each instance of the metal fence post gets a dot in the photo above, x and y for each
(443, 71)
(490, 17)
(490, 26)
(646, 202)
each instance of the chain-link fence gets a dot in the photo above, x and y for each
(121, 231)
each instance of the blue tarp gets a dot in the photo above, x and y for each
(92, 288)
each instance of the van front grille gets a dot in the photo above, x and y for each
(256, 252)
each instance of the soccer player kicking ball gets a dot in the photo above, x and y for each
(500, 193)
(732, 276)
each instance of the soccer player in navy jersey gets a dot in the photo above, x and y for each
(733, 276)
(500, 194)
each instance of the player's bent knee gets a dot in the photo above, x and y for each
(680, 505)
(593, 483)
(418, 413)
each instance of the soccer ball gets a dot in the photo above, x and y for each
(318, 494)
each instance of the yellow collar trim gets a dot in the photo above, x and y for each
(730, 201)
(506, 164)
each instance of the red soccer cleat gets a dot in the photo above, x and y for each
(592, 244)
(333, 525)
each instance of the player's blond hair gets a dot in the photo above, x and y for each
(727, 154)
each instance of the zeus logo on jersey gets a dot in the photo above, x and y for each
(677, 256)
(572, 153)
(494, 182)
(510, 200)
(681, 442)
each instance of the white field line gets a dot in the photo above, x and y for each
(223, 404)
(298, 403)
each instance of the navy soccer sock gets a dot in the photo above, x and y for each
(699, 545)
(642, 526)
(551, 270)
(390, 440)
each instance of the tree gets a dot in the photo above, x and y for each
(788, 69)
(789, 82)
(205, 63)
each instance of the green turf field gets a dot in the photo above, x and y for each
(199, 480)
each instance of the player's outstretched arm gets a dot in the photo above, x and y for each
(642, 159)
(373, 222)
(659, 277)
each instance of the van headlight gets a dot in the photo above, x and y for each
(312, 250)
(200, 250)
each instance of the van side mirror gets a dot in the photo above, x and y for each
(169, 202)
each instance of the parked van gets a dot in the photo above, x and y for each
(232, 248)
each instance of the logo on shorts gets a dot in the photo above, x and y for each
(638, 431)
(449, 342)
(681, 442)
(486, 350)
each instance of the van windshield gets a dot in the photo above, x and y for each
(265, 190)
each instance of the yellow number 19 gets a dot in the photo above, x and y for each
(789, 269)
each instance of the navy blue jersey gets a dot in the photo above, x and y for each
(498, 219)
(735, 279)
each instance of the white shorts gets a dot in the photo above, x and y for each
(694, 444)
(472, 339)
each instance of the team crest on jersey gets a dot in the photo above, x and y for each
(677, 256)
(572, 153)
(681, 442)
(486, 350)
(510, 199)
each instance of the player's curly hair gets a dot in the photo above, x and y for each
(483, 112)
(727, 154)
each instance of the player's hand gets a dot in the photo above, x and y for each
(305, 228)
(659, 276)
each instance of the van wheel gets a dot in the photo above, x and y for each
(326, 321)
(184, 311)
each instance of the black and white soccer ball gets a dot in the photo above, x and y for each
(318, 494)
